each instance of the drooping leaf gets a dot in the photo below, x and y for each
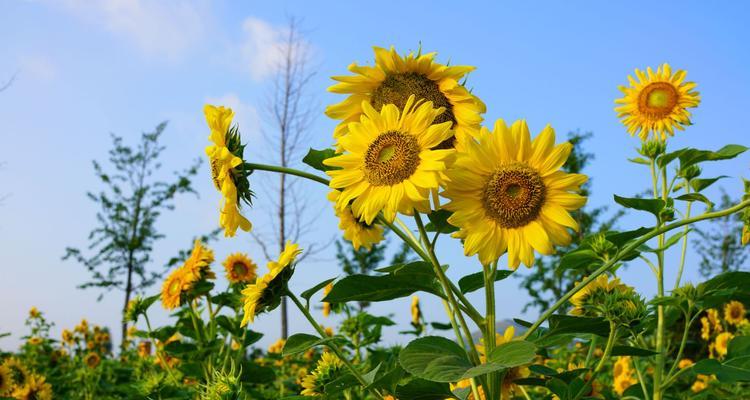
(475, 281)
(315, 158)
(310, 292)
(698, 184)
(696, 197)
(654, 206)
(381, 288)
(435, 358)
(439, 222)
(300, 342)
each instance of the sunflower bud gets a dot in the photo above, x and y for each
(689, 172)
(652, 148)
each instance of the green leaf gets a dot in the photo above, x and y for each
(475, 281)
(439, 222)
(300, 342)
(381, 288)
(739, 346)
(415, 267)
(435, 358)
(654, 206)
(691, 156)
(579, 258)
(639, 160)
(566, 324)
(698, 184)
(148, 301)
(179, 348)
(421, 389)
(620, 239)
(696, 197)
(310, 292)
(251, 337)
(229, 325)
(631, 351)
(724, 373)
(513, 353)
(163, 333)
(226, 299)
(315, 158)
(389, 380)
(441, 326)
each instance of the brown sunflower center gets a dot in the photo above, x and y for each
(658, 99)
(215, 165)
(391, 158)
(239, 269)
(514, 195)
(735, 313)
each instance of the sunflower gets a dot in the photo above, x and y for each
(715, 320)
(388, 164)
(6, 380)
(326, 305)
(734, 312)
(265, 293)
(685, 363)
(35, 341)
(325, 372)
(144, 349)
(722, 343)
(34, 313)
(657, 103)
(466, 384)
(416, 311)
(360, 234)
(36, 388)
(277, 346)
(19, 374)
(239, 268)
(92, 360)
(601, 285)
(623, 375)
(196, 267)
(701, 383)
(227, 170)
(394, 78)
(508, 195)
(67, 337)
(173, 288)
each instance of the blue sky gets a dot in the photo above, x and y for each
(85, 69)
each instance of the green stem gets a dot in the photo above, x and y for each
(660, 310)
(159, 355)
(627, 250)
(639, 372)
(489, 329)
(611, 339)
(688, 322)
(290, 171)
(592, 349)
(340, 354)
(684, 239)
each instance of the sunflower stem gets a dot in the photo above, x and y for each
(489, 328)
(625, 251)
(684, 239)
(660, 324)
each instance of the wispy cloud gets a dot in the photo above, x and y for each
(261, 47)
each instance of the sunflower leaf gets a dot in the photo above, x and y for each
(654, 206)
(315, 158)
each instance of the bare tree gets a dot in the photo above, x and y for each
(7, 84)
(291, 112)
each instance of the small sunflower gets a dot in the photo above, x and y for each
(266, 292)
(623, 375)
(734, 312)
(34, 313)
(416, 311)
(35, 388)
(325, 372)
(508, 194)
(722, 343)
(394, 79)
(196, 267)
(18, 372)
(92, 360)
(144, 349)
(172, 289)
(35, 341)
(326, 305)
(705, 328)
(227, 170)
(240, 268)
(657, 102)
(360, 234)
(67, 337)
(277, 346)
(388, 163)
(509, 387)
(685, 363)
(587, 296)
(715, 320)
(701, 383)
(6, 380)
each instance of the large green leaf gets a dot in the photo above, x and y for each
(439, 222)
(421, 389)
(513, 353)
(654, 206)
(725, 372)
(315, 158)
(475, 281)
(300, 342)
(691, 156)
(568, 324)
(435, 358)
(698, 184)
(310, 292)
(381, 288)
(579, 258)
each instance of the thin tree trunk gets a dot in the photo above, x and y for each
(128, 289)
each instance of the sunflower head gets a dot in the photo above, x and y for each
(228, 170)
(19, 374)
(388, 163)
(593, 299)
(35, 388)
(239, 268)
(144, 349)
(173, 288)
(277, 347)
(359, 233)
(395, 78)
(508, 194)
(722, 343)
(657, 102)
(326, 371)
(326, 305)
(6, 380)
(416, 311)
(92, 360)
(734, 313)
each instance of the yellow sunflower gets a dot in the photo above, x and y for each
(734, 312)
(722, 343)
(325, 372)
(35, 341)
(701, 383)
(508, 194)
(92, 360)
(277, 346)
(144, 349)
(35, 388)
(34, 313)
(6, 380)
(394, 79)
(326, 305)
(705, 328)
(18, 372)
(225, 159)
(388, 163)
(197, 265)
(172, 289)
(240, 268)
(254, 295)
(602, 283)
(685, 363)
(657, 102)
(715, 320)
(360, 234)
(416, 311)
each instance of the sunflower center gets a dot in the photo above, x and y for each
(396, 89)
(514, 195)
(658, 99)
(239, 269)
(735, 313)
(174, 287)
(215, 169)
(391, 158)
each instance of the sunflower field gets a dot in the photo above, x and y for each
(412, 157)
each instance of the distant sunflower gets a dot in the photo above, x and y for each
(265, 293)
(197, 266)
(416, 311)
(388, 163)
(240, 268)
(657, 102)
(325, 372)
(277, 347)
(67, 337)
(357, 232)
(227, 170)
(144, 349)
(327, 305)
(35, 341)
(35, 388)
(172, 289)
(18, 372)
(508, 194)
(6, 380)
(394, 78)
(734, 312)
(92, 360)
(602, 285)
(722, 343)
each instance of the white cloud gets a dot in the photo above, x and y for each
(161, 28)
(261, 48)
(245, 115)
